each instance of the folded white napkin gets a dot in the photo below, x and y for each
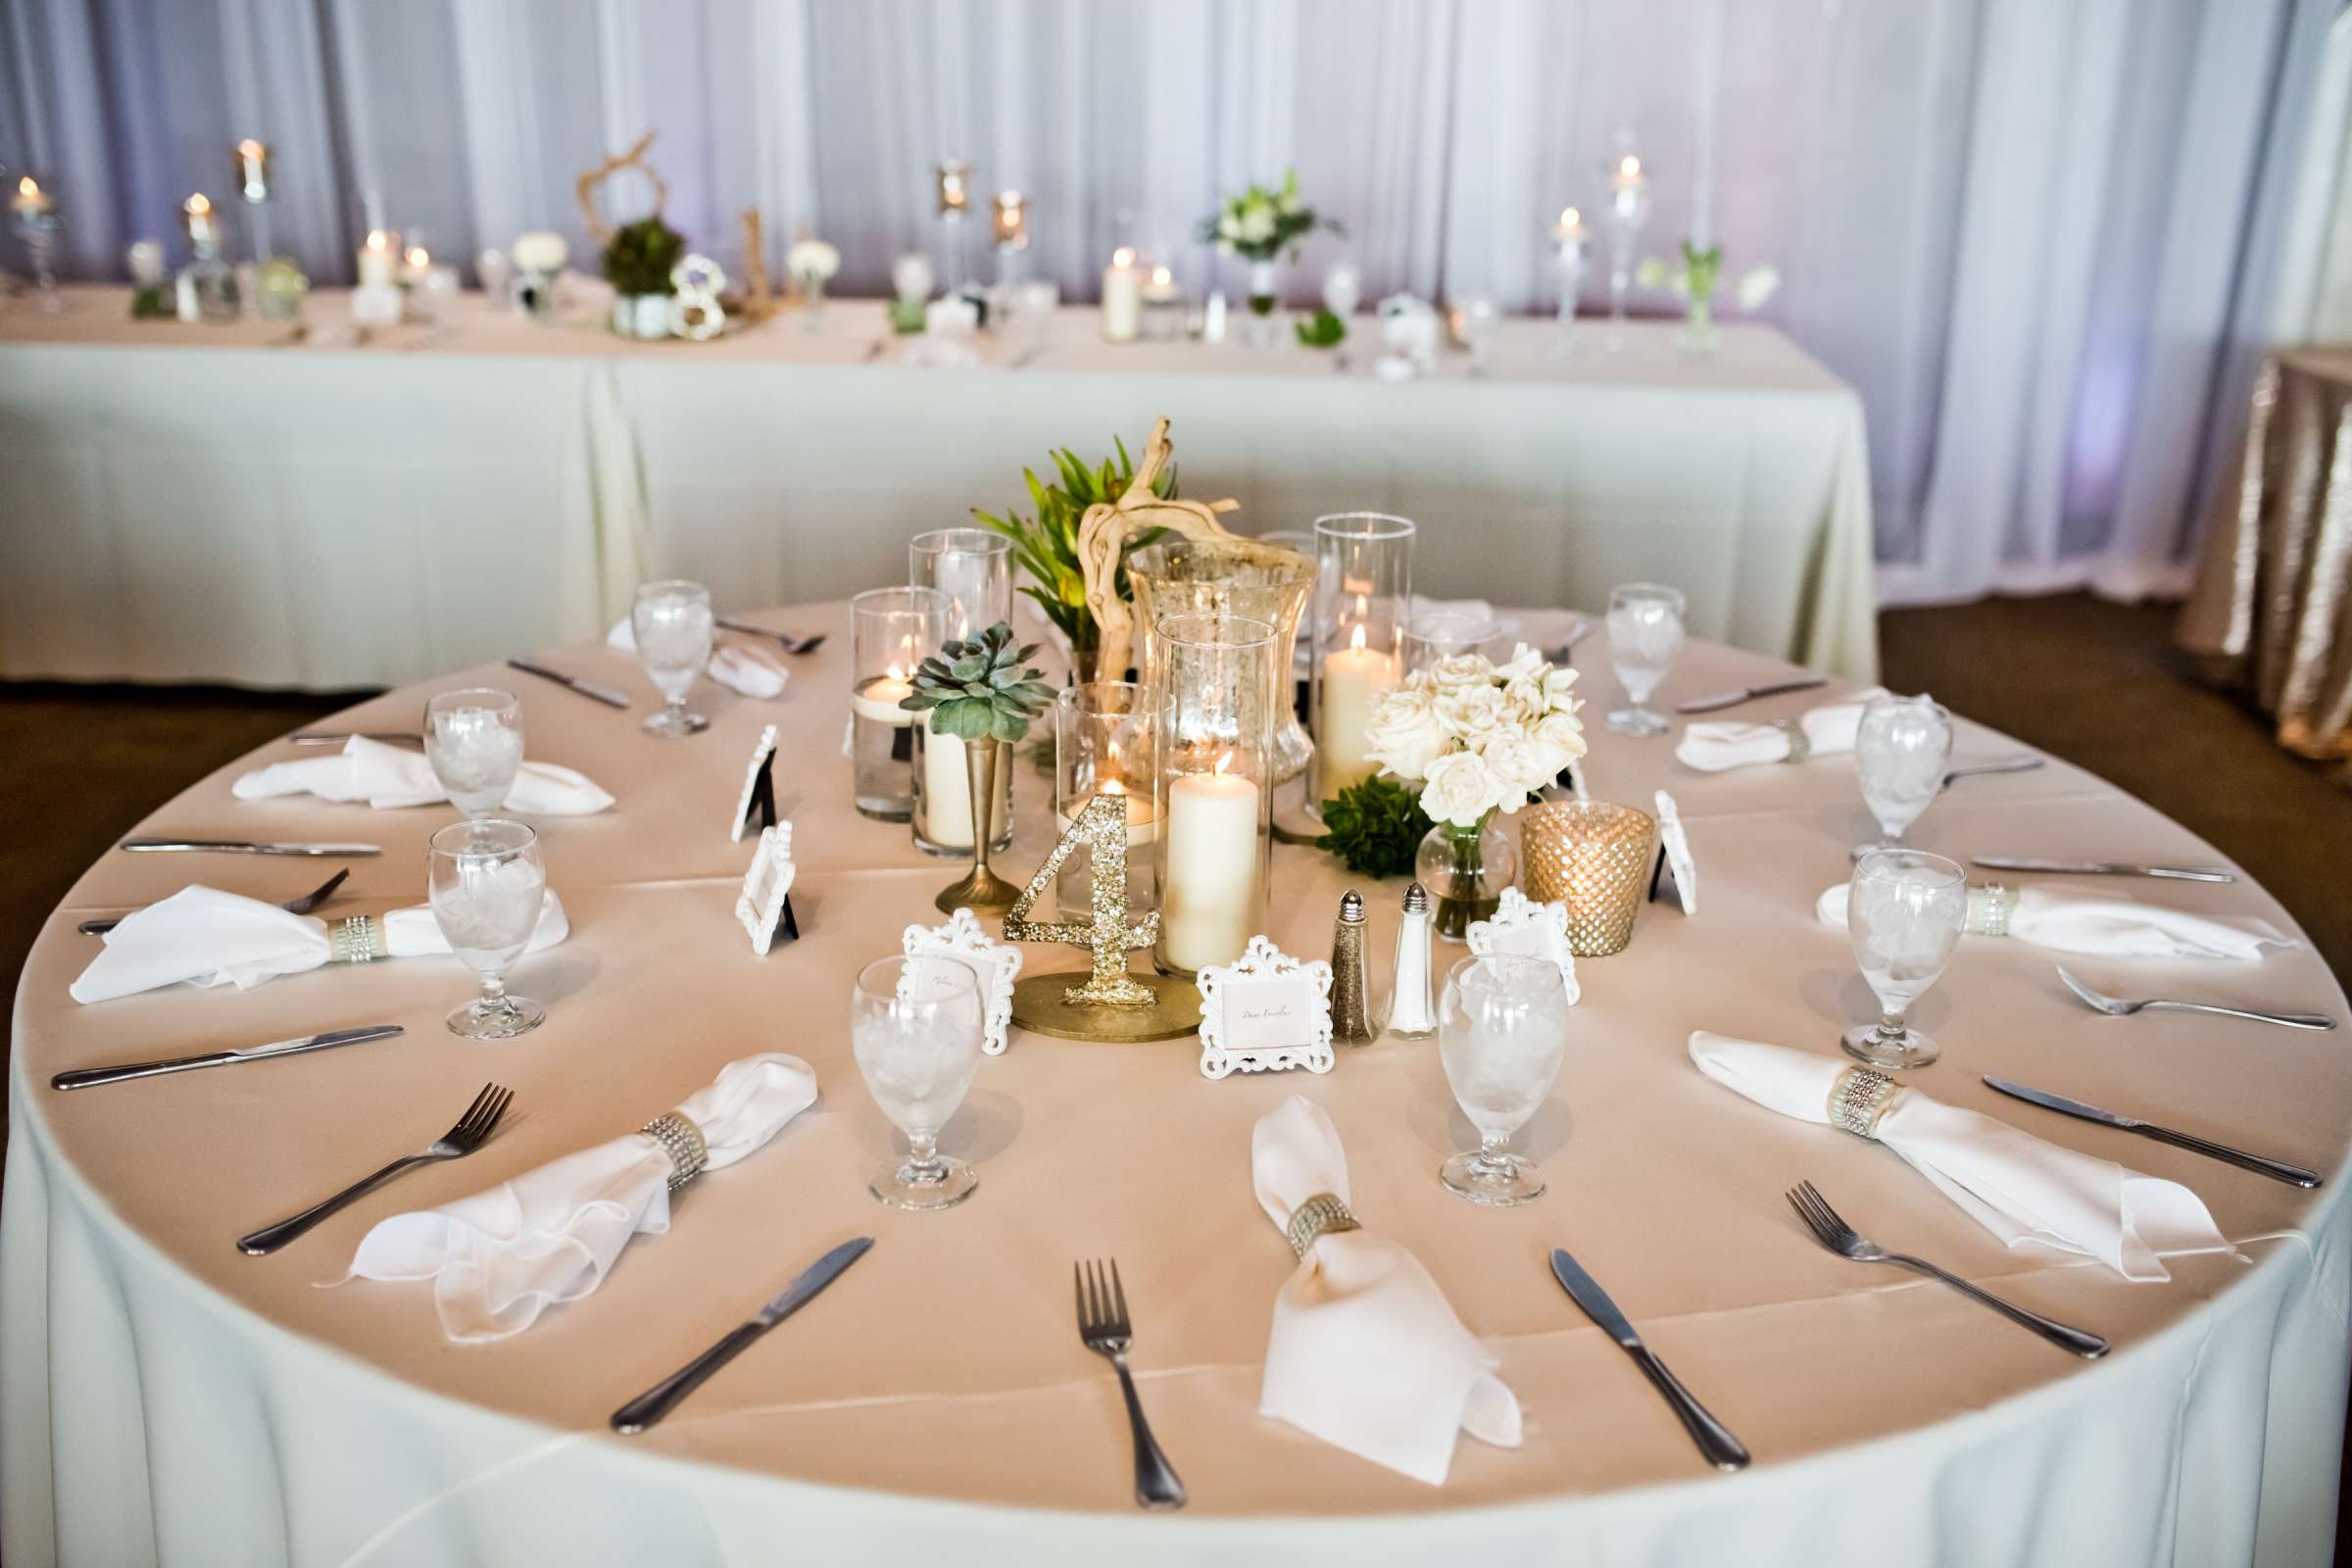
(497, 1259)
(1714, 746)
(2012, 1183)
(1366, 1354)
(739, 666)
(2111, 927)
(393, 775)
(209, 938)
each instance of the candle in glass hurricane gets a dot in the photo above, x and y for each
(893, 630)
(1215, 690)
(1363, 598)
(380, 258)
(1122, 298)
(1354, 680)
(1213, 868)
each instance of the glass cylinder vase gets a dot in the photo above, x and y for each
(1363, 598)
(1103, 746)
(1214, 786)
(1245, 577)
(1592, 857)
(1265, 295)
(973, 567)
(891, 630)
(1465, 870)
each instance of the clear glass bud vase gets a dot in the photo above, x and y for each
(1465, 870)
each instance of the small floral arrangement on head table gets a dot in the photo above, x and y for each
(1260, 226)
(1480, 737)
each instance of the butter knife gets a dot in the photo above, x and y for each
(663, 1396)
(337, 736)
(85, 1077)
(2176, 873)
(586, 688)
(248, 847)
(1715, 1441)
(1749, 694)
(2276, 1169)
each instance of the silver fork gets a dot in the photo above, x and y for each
(1102, 1324)
(473, 1130)
(303, 906)
(784, 639)
(2117, 1007)
(1840, 1237)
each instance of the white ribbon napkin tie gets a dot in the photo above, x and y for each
(388, 776)
(1715, 746)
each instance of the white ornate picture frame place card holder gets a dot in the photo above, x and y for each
(1675, 868)
(1527, 930)
(1265, 1011)
(998, 964)
(759, 789)
(764, 906)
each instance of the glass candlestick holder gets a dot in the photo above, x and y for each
(1362, 600)
(1253, 578)
(891, 630)
(1102, 733)
(1214, 786)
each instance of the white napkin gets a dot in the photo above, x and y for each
(2012, 1183)
(1713, 747)
(210, 937)
(1366, 1354)
(739, 666)
(2111, 927)
(497, 1259)
(387, 776)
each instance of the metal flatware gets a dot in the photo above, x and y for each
(2007, 764)
(473, 1129)
(337, 736)
(302, 905)
(663, 1396)
(1840, 1237)
(85, 1077)
(1103, 1327)
(784, 639)
(2176, 873)
(2117, 1007)
(247, 847)
(1715, 1441)
(2276, 1169)
(877, 349)
(1749, 694)
(1563, 652)
(586, 688)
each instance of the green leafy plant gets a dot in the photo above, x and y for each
(1263, 222)
(1375, 828)
(1046, 544)
(978, 688)
(1323, 330)
(640, 255)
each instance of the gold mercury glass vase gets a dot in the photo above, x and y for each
(1593, 857)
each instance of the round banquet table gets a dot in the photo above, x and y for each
(167, 1399)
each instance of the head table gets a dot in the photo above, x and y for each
(164, 1398)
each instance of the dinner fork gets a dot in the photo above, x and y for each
(2117, 1007)
(784, 639)
(1840, 1237)
(473, 1130)
(1102, 1324)
(303, 906)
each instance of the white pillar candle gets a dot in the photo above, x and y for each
(29, 201)
(1354, 680)
(1143, 827)
(948, 791)
(1212, 897)
(379, 259)
(1122, 298)
(878, 700)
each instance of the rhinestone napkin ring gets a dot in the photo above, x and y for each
(358, 939)
(1800, 745)
(1989, 909)
(1858, 1099)
(682, 1141)
(1320, 1215)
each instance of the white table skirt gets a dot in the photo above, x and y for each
(190, 503)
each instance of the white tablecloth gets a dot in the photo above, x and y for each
(322, 514)
(166, 1399)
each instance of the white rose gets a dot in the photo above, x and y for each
(1524, 700)
(1229, 228)
(1404, 736)
(1257, 226)
(1461, 788)
(1473, 715)
(540, 251)
(813, 259)
(1559, 686)
(1520, 766)
(1525, 664)
(1561, 737)
(1757, 285)
(1457, 671)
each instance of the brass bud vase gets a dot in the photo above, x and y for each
(982, 892)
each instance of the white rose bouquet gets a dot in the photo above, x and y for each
(1480, 737)
(812, 261)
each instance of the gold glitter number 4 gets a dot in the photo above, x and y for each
(1103, 828)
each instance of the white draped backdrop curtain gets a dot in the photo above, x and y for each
(2043, 238)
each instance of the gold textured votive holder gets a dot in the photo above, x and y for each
(1593, 858)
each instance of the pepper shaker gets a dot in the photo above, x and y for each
(1413, 1014)
(1350, 1002)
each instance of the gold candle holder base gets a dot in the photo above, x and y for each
(1041, 1005)
(1593, 858)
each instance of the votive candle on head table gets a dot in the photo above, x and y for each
(379, 259)
(1363, 597)
(890, 631)
(1122, 297)
(1214, 687)
(1102, 733)
(30, 200)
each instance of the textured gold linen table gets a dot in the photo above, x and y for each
(166, 1398)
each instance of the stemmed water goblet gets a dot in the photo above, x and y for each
(474, 739)
(1904, 912)
(915, 1029)
(1503, 1031)
(1646, 638)
(1902, 750)
(673, 628)
(487, 884)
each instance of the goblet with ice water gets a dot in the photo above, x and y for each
(915, 1029)
(1502, 1030)
(473, 740)
(672, 625)
(1904, 911)
(487, 883)
(1902, 750)
(1646, 638)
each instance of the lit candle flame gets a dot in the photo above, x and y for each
(1223, 762)
(1570, 218)
(1123, 257)
(378, 240)
(1161, 277)
(29, 186)
(417, 259)
(1629, 169)
(1356, 642)
(197, 205)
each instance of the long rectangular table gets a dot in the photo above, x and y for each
(239, 504)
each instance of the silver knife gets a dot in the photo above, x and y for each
(1749, 694)
(2176, 873)
(337, 736)
(83, 1078)
(248, 847)
(663, 1396)
(1715, 1441)
(2010, 765)
(2276, 1169)
(586, 688)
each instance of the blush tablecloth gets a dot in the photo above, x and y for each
(219, 503)
(163, 1399)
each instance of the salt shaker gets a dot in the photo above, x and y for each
(1350, 1001)
(1411, 1013)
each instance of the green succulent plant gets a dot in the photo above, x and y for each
(978, 688)
(1375, 828)
(1323, 330)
